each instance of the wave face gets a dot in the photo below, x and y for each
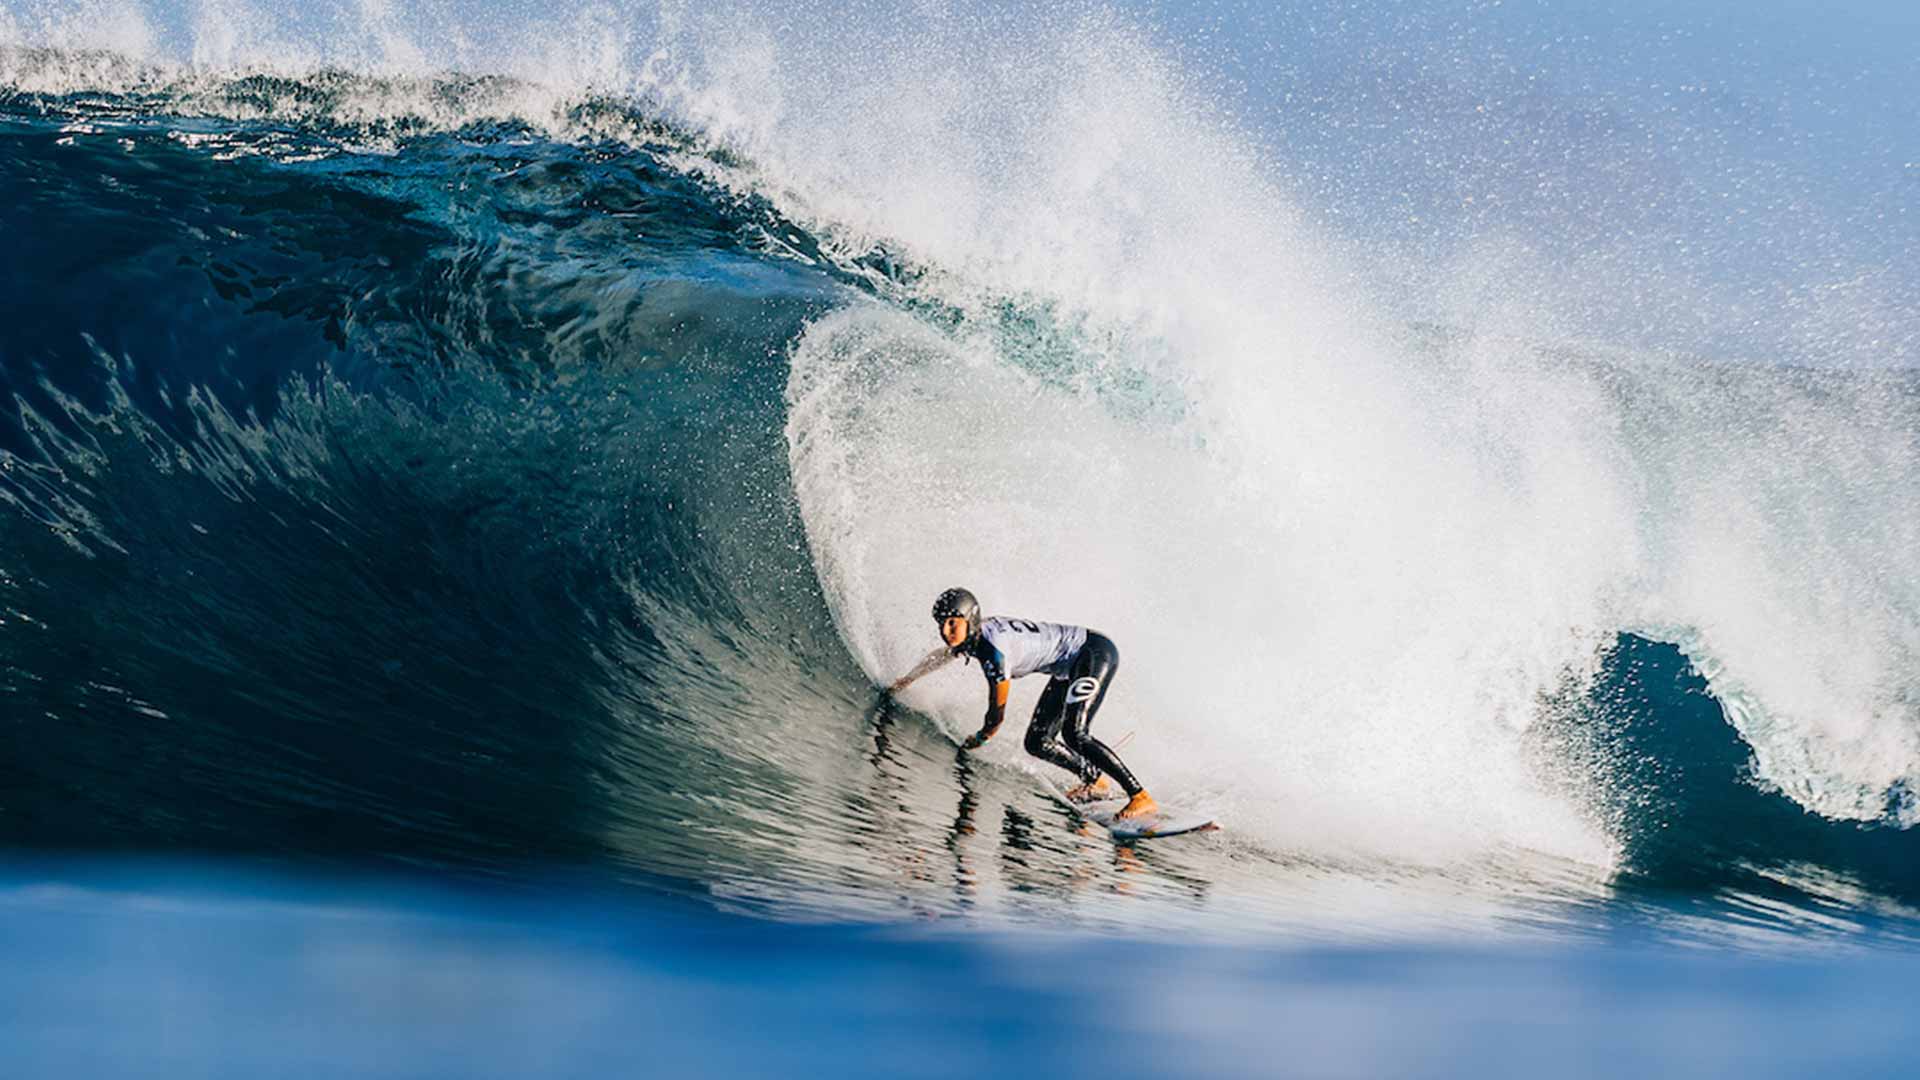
(485, 459)
(345, 510)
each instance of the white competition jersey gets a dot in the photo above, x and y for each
(1010, 648)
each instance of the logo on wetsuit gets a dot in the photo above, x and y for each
(1082, 689)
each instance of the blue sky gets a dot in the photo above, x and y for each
(1771, 149)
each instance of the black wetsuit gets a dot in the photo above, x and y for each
(1081, 663)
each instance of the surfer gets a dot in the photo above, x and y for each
(1081, 664)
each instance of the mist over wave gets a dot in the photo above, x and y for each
(619, 386)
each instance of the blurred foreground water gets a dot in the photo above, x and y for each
(141, 968)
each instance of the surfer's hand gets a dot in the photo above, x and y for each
(975, 741)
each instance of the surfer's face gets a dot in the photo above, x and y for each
(953, 630)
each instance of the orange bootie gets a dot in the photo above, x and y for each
(1094, 792)
(1140, 805)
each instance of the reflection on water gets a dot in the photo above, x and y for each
(925, 831)
(1009, 849)
(906, 827)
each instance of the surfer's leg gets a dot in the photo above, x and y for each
(1043, 733)
(1093, 672)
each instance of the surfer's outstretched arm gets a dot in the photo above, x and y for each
(933, 662)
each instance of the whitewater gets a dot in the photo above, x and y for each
(478, 440)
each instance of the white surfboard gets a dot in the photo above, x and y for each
(1164, 822)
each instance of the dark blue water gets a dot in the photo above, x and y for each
(426, 511)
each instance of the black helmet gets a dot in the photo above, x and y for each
(958, 602)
